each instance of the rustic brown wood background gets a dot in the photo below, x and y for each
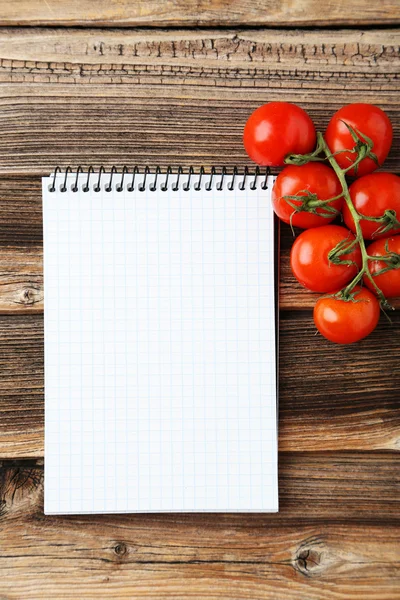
(172, 82)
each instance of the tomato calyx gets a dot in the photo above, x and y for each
(342, 248)
(349, 294)
(362, 148)
(312, 204)
(392, 260)
(388, 221)
(302, 159)
(346, 296)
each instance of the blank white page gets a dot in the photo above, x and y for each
(160, 367)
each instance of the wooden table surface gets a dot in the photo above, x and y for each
(153, 82)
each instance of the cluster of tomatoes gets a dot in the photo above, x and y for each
(313, 190)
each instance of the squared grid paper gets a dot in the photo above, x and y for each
(160, 367)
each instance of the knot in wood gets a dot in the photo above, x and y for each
(29, 295)
(120, 549)
(308, 561)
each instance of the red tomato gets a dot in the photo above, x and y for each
(347, 321)
(314, 178)
(277, 129)
(368, 119)
(310, 263)
(388, 282)
(371, 196)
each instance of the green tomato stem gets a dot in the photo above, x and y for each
(356, 217)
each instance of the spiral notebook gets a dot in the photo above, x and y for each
(160, 342)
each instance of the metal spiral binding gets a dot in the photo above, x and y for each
(182, 179)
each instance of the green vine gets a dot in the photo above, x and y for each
(388, 221)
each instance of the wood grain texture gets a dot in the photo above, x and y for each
(306, 551)
(156, 13)
(182, 97)
(331, 397)
(137, 97)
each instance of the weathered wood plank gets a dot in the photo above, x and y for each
(290, 555)
(126, 97)
(21, 253)
(331, 397)
(347, 50)
(128, 13)
(21, 279)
